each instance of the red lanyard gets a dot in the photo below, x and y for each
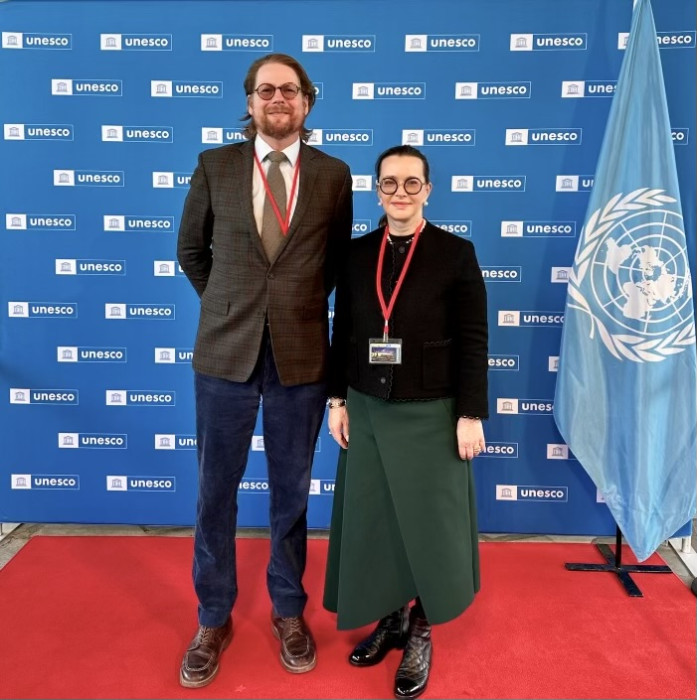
(387, 310)
(284, 223)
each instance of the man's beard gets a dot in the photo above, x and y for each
(280, 130)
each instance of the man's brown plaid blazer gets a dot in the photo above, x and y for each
(220, 251)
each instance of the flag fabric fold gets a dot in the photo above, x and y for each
(626, 394)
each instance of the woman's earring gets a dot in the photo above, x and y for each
(426, 203)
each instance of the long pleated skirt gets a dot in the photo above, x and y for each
(404, 521)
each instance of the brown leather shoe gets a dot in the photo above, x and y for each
(202, 659)
(298, 652)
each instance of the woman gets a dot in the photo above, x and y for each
(408, 369)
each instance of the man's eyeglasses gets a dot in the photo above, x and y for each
(412, 185)
(267, 91)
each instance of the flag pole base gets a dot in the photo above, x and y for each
(614, 564)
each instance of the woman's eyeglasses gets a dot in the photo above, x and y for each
(412, 185)
(266, 91)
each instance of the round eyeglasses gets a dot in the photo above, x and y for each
(412, 185)
(266, 91)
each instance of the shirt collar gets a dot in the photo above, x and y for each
(262, 149)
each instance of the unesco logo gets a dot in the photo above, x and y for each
(39, 132)
(533, 407)
(167, 268)
(137, 134)
(588, 88)
(461, 228)
(254, 485)
(140, 397)
(487, 183)
(135, 42)
(509, 363)
(68, 266)
(173, 356)
(441, 42)
(237, 42)
(493, 90)
(156, 312)
(517, 492)
(439, 137)
(138, 222)
(92, 441)
(543, 137)
(89, 178)
(558, 451)
(560, 275)
(163, 484)
(224, 134)
(362, 183)
(321, 487)
(501, 450)
(680, 137)
(389, 91)
(74, 353)
(341, 137)
(40, 222)
(83, 87)
(574, 183)
(548, 42)
(665, 40)
(184, 88)
(361, 227)
(530, 319)
(538, 229)
(46, 482)
(362, 43)
(41, 309)
(511, 273)
(26, 40)
(170, 179)
(64, 397)
(170, 441)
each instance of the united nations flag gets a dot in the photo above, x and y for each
(625, 399)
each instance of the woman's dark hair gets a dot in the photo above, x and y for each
(306, 87)
(403, 151)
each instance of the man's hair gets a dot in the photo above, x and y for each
(403, 151)
(306, 87)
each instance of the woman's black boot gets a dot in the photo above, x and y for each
(390, 633)
(412, 674)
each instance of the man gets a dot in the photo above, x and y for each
(260, 238)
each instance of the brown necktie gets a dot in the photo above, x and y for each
(271, 234)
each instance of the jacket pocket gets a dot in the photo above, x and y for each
(437, 365)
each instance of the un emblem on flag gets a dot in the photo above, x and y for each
(632, 276)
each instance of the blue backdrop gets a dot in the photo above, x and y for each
(105, 106)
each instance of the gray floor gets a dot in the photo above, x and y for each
(15, 539)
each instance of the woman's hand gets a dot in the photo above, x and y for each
(470, 437)
(339, 425)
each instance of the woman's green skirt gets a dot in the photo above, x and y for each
(404, 520)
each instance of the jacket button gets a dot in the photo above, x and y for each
(270, 276)
(382, 380)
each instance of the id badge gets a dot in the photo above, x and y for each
(385, 352)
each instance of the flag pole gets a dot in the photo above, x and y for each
(613, 564)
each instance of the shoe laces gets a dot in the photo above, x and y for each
(207, 636)
(292, 625)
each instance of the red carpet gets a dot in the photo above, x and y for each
(109, 617)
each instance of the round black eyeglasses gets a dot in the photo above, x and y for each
(412, 185)
(266, 91)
